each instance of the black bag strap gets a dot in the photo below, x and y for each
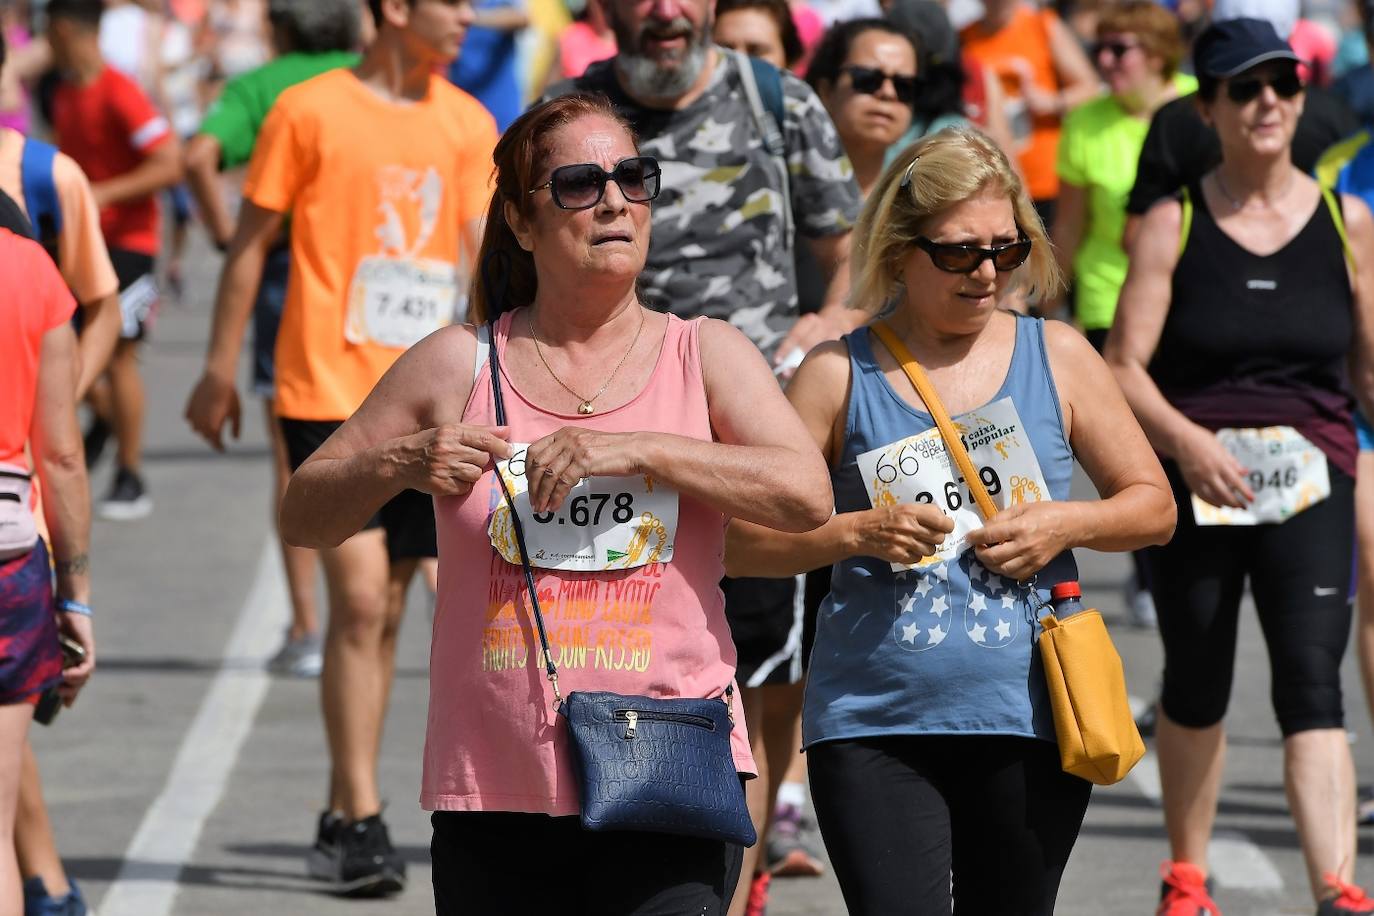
(496, 284)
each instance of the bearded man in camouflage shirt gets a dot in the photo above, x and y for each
(723, 246)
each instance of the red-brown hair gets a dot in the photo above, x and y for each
(520, 156)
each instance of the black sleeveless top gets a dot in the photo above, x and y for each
(1255, 341)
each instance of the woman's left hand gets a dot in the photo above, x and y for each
(1019, 541)
(555, 463)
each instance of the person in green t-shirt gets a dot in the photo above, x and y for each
(1137, 52)
(309, 37)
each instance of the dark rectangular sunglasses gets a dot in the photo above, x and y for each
(1242, 90)
(581, 186)
(869, 81)
(965, 259)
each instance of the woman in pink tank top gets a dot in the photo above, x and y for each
(675, 419)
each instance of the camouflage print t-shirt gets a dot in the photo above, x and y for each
(718, 246)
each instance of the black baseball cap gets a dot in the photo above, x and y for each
(1235, 45)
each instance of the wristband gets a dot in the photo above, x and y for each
(68, 606)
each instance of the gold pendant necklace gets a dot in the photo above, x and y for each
(585, 408)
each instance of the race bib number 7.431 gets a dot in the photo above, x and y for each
(918, 469)
(1285, 472)
(396, 302)
(605, 523)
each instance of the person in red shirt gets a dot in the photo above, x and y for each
(103, 120)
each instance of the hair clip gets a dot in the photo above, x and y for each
(906, 176)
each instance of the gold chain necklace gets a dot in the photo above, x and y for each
(585, 407)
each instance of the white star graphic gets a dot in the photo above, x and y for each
(979, 633)
(938, 606)
(942, 572)
(978, 603)
(937, 636)
(909, 633)
(1008, 602)
(908, 604)
(1003, 630)
(924, 587)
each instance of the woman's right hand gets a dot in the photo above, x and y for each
(904, 533)
(76, 627)
(1211, 472)
(447, 460)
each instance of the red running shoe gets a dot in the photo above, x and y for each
(1185, 891)
(1348, 899)
(758, 894)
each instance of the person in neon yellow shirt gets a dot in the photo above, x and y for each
(1137, 52)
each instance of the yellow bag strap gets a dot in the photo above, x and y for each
(1186, 222)
(926, 390)
(1339, 222)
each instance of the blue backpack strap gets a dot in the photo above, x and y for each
(762, 84)
(40, 192)
(768, 79)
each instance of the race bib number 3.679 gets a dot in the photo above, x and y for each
(918, 469)
(605, 523)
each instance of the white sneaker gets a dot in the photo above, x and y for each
(1140, 606)
(300, 657)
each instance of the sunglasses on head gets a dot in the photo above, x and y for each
(965, 259)
(1117, 49)
(869, 81)
(581, 186)
(1285, 84)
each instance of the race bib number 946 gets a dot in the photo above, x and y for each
(1284, 471)
(397, 302)
(605, 523)
(918, 469)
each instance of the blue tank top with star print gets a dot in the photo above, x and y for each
(948, 648)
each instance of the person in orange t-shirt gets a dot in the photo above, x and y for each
(1043, 72)
(385, 170)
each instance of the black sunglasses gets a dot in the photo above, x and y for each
(869, 81)
(1285, 84)
(1117, 49)
(581, 186)
(965, 259)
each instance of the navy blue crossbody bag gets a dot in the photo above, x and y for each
(656, 765)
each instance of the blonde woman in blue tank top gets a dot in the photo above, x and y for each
(926, 721)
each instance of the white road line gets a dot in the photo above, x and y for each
(147, 881)
(1234, 861)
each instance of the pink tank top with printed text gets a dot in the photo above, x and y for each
(494, 741)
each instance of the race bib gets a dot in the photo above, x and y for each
(605, 523)
(1286, 473)
(918, 469)
(396, 302)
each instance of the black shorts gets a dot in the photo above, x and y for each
(773, 624)
(138, 293)
(408, 519)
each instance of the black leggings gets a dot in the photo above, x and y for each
(1299, 574)
(488, 862)
(903, 816)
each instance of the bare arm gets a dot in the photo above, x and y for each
(202, 175)
(1141, 311)
(1070, 219)
(215, 400)
(61, 466)
(160, 169)
(1359, 226)
(764, 468)
(1077, 79)
(407, 434)
(100, 326)
(502, 19)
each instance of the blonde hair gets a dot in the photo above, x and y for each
(946, 169)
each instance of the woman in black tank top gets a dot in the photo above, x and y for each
(1242, 310)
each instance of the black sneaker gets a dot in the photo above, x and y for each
(94, 440)
(127, 500)
(369, 865)
(322, 862)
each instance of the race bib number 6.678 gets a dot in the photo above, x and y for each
(918, 469)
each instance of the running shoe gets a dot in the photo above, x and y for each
(791, 852)
(1349, 899)
(298, 657)
(94, 439)
(1140, 605)
(38, 902)
(127, 500)
(369, 866)
(1185, 891)
(322, 862)
(758, 894)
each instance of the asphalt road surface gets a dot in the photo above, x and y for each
(187, 780)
